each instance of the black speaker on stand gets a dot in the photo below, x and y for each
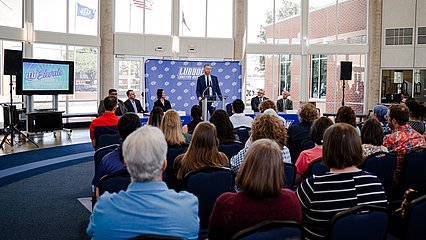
(12, 67)
(345, 74)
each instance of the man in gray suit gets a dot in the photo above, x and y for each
(284, 103)
(121, 108)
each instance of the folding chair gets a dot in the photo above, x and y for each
(359, 222)
(114, 182)
(289, 175)
(230, 148)
(243, 133)
(382, 165)
(271, 230)
(208, 184)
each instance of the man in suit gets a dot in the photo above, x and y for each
(121, 108)
(132, 104)
(256, 101)
(208, 85)
(284, 103)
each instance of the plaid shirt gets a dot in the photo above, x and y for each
(237, 160)
(400, 142)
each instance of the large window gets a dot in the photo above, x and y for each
(206, 18)
(50, 15)
(11, 13)
(83, 17)
(319, 76)
(143, 16)
(337, 21)
(285, 73)
(274, 21)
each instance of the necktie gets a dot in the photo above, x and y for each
(134, 106)
(209, 84)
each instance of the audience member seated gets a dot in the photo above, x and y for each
(202, 152)
(372, 138)
(196, 114)
(147, 206)
(297, 133)
(345, 186)
(262, 195)
(121, 108)
(162, 102)
(108, 118)
(346, 114)
(172, 129)
(264, 126)
(132, 104)
(380, 113)
(155, 117)
(417, 113)
(239, 119)
(113, 162)
(306, 157)
(268, 107)
(402, 139)
(225, 129)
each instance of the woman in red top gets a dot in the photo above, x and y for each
(262, 197)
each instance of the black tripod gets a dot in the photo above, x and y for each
(11, 128)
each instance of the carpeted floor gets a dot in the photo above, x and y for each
(42, 203)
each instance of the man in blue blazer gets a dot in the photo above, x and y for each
(208, 85)
(132, 104)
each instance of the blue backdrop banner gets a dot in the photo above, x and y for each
(179, 80)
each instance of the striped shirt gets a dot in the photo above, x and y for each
(321, 197)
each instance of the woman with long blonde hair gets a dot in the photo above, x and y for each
(172, 129)
(202, 152)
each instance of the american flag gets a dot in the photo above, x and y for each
(147, 4)
(184, 21)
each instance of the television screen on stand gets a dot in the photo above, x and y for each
(45, 77)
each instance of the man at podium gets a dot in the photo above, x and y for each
(208, 86)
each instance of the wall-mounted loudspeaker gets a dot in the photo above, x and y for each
(12, 62)
(345, 70)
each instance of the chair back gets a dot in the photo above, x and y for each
(307, 144)
(316, 167)
(172, 153)
(107, 139)
(101, 130)
(382, 165)
(229, 109)
(243, 133)
(416, 218)
(208, 184)
(271, 230)
(101, 152)
(114, 182)
(230, 148)
(415, 176)
(156, 237)
(289, 175)
(359, 222)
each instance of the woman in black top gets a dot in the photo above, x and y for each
(196, 113)
(162, 102)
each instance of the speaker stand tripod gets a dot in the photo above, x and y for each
(343, 97)
(11, 128)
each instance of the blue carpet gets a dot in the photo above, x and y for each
(18, 166)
